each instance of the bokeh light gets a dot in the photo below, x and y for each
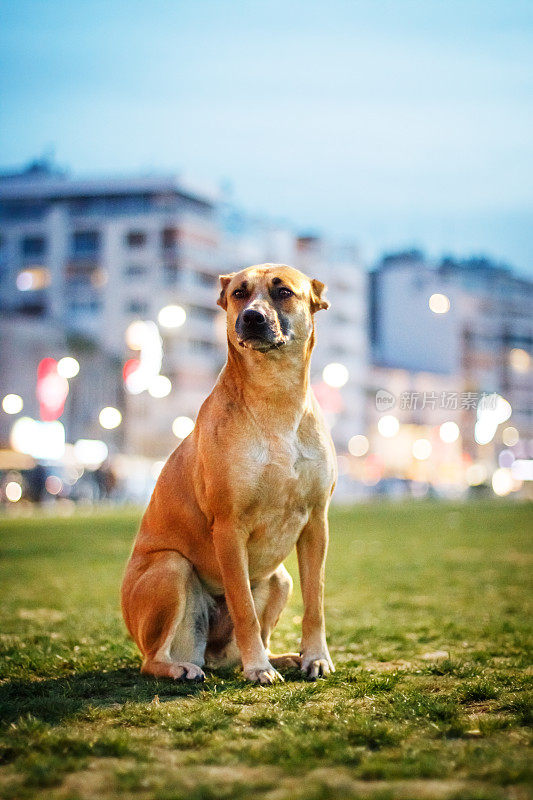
(43, 440)
(476, 474)
(53, 484)
(388, 426)
(182, 426)
(439, 303)
(13, 491)
(358, 445)
(12, 403)
(502, 482)
(510, 436)
(90, 452)
(136, 334)
(335, 375)
(68, 367)
(422, 449)
(110, 418)
(160, 386)
(172, 316)
(520, 360)
(449, 432)
(33, 279)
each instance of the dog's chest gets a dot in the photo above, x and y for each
(285, 478)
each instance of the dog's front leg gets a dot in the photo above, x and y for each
(311, 549)
(230, 548)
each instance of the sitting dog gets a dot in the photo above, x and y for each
(205, 583)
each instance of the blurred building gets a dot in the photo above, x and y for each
(122, 275)
(339, 364)
(89, 257)
(447, 339)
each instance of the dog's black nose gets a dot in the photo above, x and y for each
(252, 317)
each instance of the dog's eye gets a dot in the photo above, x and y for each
(284, 292)
(239, 294)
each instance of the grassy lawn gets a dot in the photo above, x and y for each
(428, 626)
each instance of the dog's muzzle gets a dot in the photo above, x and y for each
(255, 331)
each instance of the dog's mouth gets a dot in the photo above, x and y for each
(260, 344)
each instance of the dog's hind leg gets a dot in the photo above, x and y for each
(166, 610)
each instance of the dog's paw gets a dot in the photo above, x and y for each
(185, 671)
(263, 675)
(317, 666)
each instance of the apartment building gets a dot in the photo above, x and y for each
(127, 268)
(463, 329)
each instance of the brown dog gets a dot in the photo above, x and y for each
(252, 480)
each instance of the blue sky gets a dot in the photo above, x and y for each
(404, 123)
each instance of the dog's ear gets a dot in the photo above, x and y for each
(224, 280)
(317, 290)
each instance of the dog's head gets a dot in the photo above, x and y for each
(270, 305)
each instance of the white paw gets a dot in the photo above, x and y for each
(263, 675)
(317, 666)
(185, 671)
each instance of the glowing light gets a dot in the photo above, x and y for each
(388, 426)
(12, 403)
(358, 445)
(182, 426)
(510, 436)
(492, 410)
(109, 418)
(449, 432)
(143, 336)
(68, 367)
(13, 491)
(136, 334)
(439, 303)
(90, 452)
(52, 390)
(502, 482)
(335, 375)
(53, 484)
(160, 386)
(520, 360)
(43, 440)
(172, 317)
(476, 474)
(422, 449)
(33, 279)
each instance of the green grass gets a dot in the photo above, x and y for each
(428, 623)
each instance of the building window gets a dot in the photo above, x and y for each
(201, 346)
(136, 239)
(135, 270)
(85, 243)
(33, 246)
(137, 307)
(169, 238)
(206, 279)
